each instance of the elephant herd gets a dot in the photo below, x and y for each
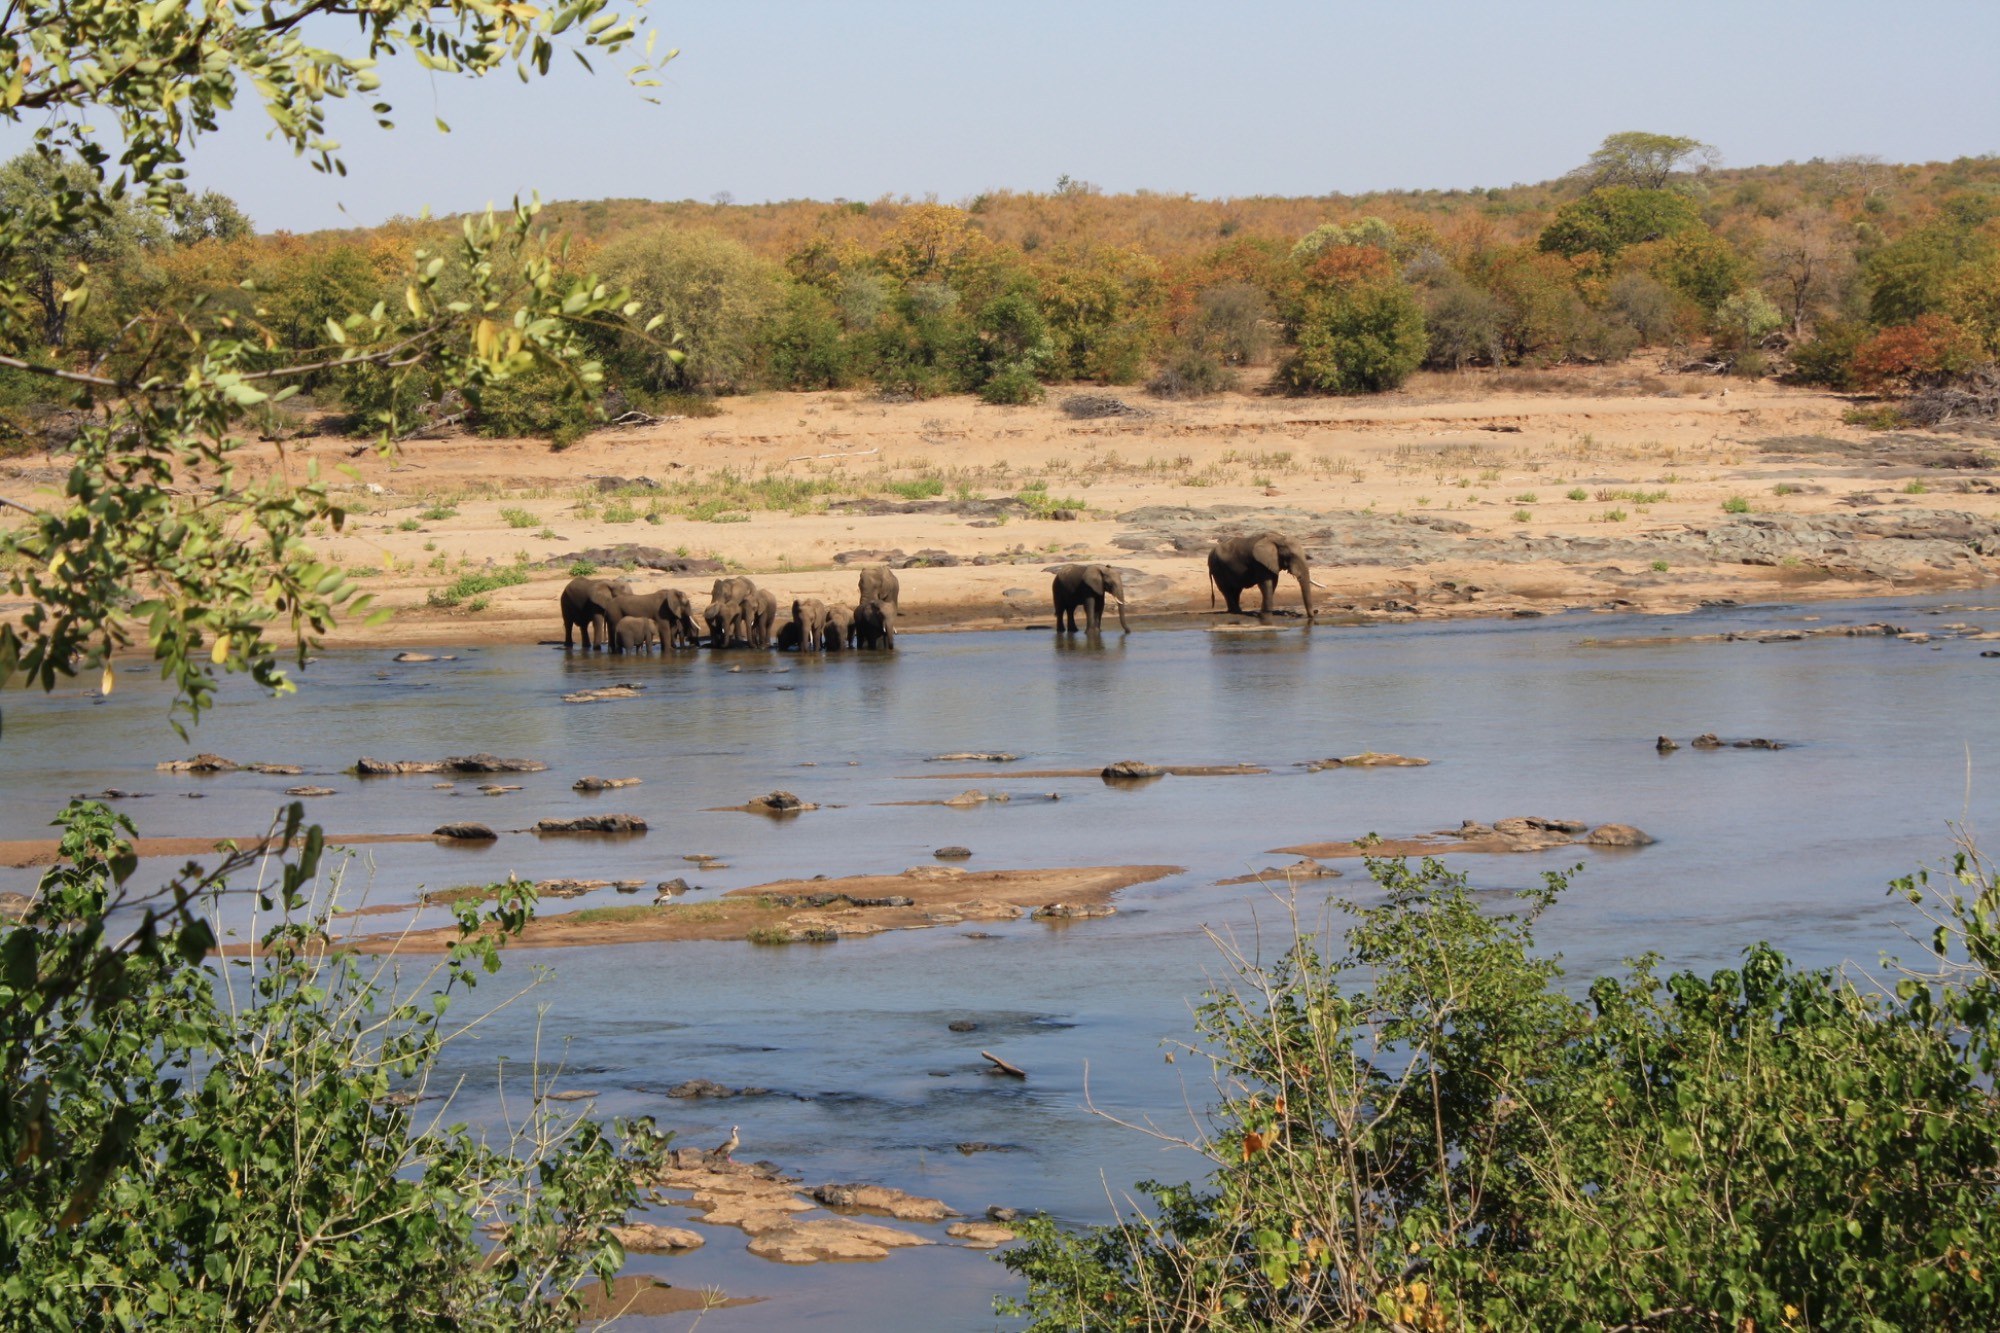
(1235, 565)
(738, 614)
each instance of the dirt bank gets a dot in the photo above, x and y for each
(1620, 490)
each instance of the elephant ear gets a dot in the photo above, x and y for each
(1265, 553)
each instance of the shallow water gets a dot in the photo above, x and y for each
(1888, 742)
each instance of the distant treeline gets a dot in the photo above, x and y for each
(1852, 274)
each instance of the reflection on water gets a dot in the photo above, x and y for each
(865, 1078)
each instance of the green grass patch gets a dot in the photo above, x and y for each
(467, 586)
(520, 518)
(923, 488)
(1736, 504)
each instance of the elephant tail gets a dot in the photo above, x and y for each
(1211, 589)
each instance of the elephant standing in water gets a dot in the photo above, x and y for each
(585, 602)
(878, 584)
(1087, 586)
(635, 634)
(874, 625)
(1237, 563)
(809, 614)
(839, 627)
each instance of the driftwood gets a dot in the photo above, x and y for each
(1002, 1067)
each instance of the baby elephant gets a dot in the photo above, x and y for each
(1087, 586)
(633, 634)
(839, 628)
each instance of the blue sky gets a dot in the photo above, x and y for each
(778, 99)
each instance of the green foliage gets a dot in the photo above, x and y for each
(471, 585)
(519, 518)
(553, 402)
(1362, 338)
(1827, 358)
(1643, 161)
(1013, 386)
(1424, 1131)
(1372, 231)
(1910, 276)
(714, 301)
(1736, 504)
(189, 1146)
(582, 569)
(809, 348)
(1607, 220)
(923, 488)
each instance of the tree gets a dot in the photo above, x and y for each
(169, 1157)
(1363, 337)
(1808, 255)
(63, 232)
(709, 294)
(212, 582)
(1644, 161)
(1608, 220)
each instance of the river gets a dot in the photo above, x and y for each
(1886, 743)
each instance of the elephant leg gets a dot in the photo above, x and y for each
(1094, 615)
(1269, 588)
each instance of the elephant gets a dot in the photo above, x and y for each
(874, 625)
(677, 614)
(667, 610)
(729, 588)
(1086, 586)
(721, 622)
(839, 626)
(585, 601)
(634, 634)
(761, 616)
(788, 637)
(1237, 563)
(809, 614)
(878, 584)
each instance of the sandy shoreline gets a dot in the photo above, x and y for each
(1616, 490)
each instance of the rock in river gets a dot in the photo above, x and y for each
(1131, 769)
(592, 824)
(465, 830)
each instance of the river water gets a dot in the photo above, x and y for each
(1887, 742)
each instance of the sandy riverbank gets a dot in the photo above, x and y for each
(1454, 497)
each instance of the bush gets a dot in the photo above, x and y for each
(715, 298)
(1425, 1131)
(1191, 372)
(1827, 358)
(204, 1143)
(542, 403)
(1606, 221)
(1013, 386)
(1365, 338)
(809, 347)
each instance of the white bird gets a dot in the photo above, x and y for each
(729, 1144)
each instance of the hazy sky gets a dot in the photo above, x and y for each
(778, 99)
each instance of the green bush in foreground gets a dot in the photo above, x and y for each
(198, 1145)
(1423, 1131)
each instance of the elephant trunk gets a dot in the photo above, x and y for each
(1306, 588)
(1123, 628)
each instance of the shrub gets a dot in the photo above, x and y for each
(1606, 221)
(809, 348)
(519, 518)
(1015, 386)
(1191, 372)
(470, 585)
(1365, 338)
(542, 403)
(1736, 504)
(1578, 493)
(715, 300)
(168, 1108)
(1929, 350)
(1423, 1130)
(1827, 358)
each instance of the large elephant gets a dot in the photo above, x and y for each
(1087, 586)
(839, 627)
(1255, 561)
(878, 584)
(760, 611)
(677, 616)
(809, 614)
(874, 625)
(585, 602)
(721, 621)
